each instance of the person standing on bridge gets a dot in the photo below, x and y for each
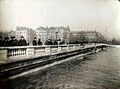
(39, 42)
(34, 41)
(13, 41)
(6, 41)
(22, 41)
(1, 41)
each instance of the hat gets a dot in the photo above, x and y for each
(12, 37)
(6, 37)
(22, 37)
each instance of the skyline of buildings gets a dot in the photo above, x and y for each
(55, 33)
(87, 36)
(61, 33)
(44, 33)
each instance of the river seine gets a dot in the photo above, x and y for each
(96, 71)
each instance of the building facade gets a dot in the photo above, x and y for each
(27, 33)
(86, 36)
(53, 33)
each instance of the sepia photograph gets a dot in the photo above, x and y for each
(59, 44)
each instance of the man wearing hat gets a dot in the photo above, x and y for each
(6, 41)
(1, 41)
(22, 41)
(34, 41)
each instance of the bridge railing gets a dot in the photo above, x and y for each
(23, 52)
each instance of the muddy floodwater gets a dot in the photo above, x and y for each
(96, 71)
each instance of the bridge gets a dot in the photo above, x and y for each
(15, 60)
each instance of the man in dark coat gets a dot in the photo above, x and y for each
(16, 42)
(39, 42)
(12, 41)
(22, 41)
(6, 41)
(1, 41)
(35, 41)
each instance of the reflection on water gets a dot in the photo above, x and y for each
(99, 71)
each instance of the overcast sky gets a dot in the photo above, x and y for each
(100, 15)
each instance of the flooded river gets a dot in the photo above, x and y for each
(96, 71)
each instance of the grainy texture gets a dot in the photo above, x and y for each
(97, 71)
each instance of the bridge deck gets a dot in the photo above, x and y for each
(13, 54)
(23, 63)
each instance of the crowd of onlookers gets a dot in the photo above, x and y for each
(36, 42)
(12, 41)
(48, 42)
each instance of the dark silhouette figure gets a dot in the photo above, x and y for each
(62, 42)
(39, 42)
(13, 41)
(55, 42)
(1, 41)
(22, 41)
(35, 41)
(6, 41)
(16, 42)
(49, 42)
